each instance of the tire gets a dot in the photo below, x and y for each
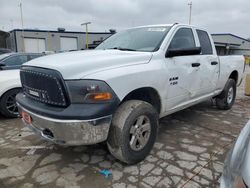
(8, 107)
(133, 131)
(226, 99)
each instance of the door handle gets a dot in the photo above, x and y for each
(214, 63)
(196, 64)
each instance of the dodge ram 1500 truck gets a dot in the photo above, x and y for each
(117, 92)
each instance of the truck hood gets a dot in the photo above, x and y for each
(78, 64)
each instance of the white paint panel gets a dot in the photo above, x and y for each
(68, 43)
(34, 45)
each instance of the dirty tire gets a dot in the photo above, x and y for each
(6, 101)
(119, 140)
(226, 99)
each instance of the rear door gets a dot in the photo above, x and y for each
(209, 71)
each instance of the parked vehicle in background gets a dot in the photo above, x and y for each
(10, 85)
(15, 60)
(49, 52)
(236, 172)
(4, 50)
(118, 91)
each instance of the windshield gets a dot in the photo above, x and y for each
(147, 39)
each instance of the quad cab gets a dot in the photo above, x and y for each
(117, 92)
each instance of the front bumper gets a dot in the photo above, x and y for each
(69, 132)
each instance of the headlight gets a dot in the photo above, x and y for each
(89, 91)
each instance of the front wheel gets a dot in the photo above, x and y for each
(226, 99)
(133, 131)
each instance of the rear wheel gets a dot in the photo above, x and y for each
(226, 99)
(8, 106)
(133, 131)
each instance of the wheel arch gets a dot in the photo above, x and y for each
(234, 75)
(7, 90)
(147, 94)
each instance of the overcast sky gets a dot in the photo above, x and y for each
(218, 16)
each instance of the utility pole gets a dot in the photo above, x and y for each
(11, 24)
(190, 4)
(21, 12)
(87, 35)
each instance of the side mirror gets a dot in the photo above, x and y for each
(1, 66)
(183, 51)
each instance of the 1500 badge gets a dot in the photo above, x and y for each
(173, 80)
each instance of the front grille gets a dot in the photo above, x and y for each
(43, 85)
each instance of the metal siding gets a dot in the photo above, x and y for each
(238, 45)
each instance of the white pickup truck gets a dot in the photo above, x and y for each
(118, 92)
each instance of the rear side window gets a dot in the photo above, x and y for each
(206, 47)
(183, 38)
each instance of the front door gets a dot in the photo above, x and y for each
(183, 71)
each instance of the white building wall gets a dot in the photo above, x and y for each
(52, 39)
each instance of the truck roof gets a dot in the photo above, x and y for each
(168, 25)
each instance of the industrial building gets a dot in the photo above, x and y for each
(3, 36)
(37, 41)
(229, 44)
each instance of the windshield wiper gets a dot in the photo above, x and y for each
(122, 49)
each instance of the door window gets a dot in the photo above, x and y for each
(206, 47)
(15, 60)
(183, 38)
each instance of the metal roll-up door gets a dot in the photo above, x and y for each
(34, 45)
(68, 43)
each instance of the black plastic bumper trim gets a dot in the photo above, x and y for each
(73, 111)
